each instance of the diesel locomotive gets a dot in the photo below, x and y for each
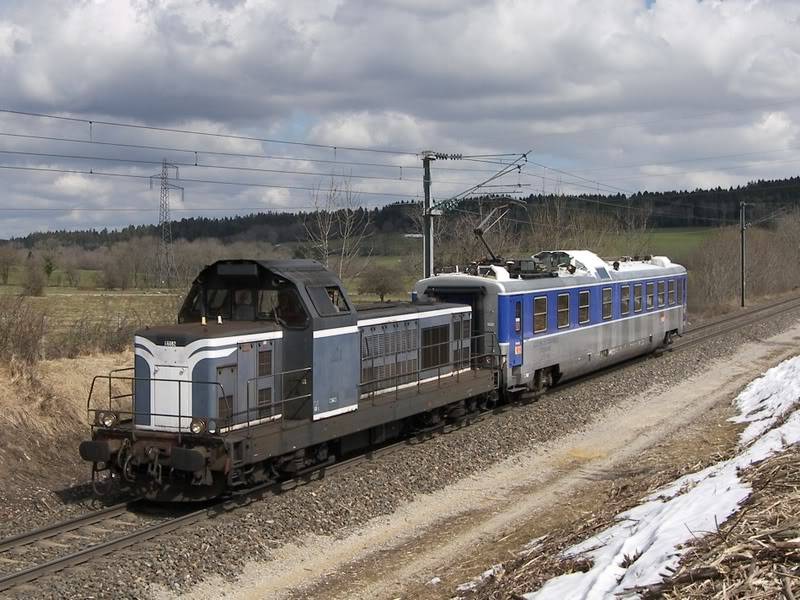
(271, 370)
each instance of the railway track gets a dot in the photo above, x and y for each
(736, 321)
(73, 542)
(51, 549)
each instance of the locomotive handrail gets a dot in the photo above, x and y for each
(273, 403)
(414, 378)
(133, 413)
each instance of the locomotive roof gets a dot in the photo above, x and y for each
(186, 333)
(298, 271)
(390, 309)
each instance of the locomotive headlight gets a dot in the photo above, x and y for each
(107, 418)
(197, 426)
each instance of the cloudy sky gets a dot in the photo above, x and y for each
(610, 95)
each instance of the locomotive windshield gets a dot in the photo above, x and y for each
(248, 300)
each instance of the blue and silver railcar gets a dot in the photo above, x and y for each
(580, 315)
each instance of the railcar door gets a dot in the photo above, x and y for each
(257, 373)
(172, 397)
(515, 345)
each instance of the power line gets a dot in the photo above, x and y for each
(206, 181)
(216, 166)
(200, 151)
(92, 122)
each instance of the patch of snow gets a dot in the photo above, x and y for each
(644, 543)
(768, 398)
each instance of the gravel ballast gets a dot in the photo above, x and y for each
(337, 505)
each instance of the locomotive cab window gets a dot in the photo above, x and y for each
(607, 306)
(563, 311)
(583, 307)
(540, 314)
(651, 291)
(328, 300)
(671, 288)
(245, 300)
(625, 300)
(637, 297)
(662, 295)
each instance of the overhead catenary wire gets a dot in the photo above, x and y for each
(216, 166)
(205, 151)
(205, 181)
(93, 122)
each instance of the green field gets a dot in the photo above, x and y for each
(677, 243)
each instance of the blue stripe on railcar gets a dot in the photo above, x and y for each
(507, 313)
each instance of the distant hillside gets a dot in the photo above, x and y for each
(697, 208)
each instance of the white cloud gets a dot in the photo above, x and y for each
(586, 84)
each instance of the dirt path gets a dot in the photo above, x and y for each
(454, 534)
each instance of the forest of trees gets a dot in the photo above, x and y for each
(698, 208)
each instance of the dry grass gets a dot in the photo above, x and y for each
(756, 554)
(43, 410)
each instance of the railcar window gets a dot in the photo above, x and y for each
(680, 291)
(563, 311)
(637, 297)
(671, 288)
(583, 307)
(651, 287)
(264, 363)
(625, 299)
(607, 307)
(435, 346)
(518, 315)
(662, 296)
(540, 314)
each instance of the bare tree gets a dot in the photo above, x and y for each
(338, 229)
(381, 281)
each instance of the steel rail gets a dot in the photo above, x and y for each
(793, 302)
(49, 531)
(98, 550)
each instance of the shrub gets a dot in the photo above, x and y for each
(33, 279)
